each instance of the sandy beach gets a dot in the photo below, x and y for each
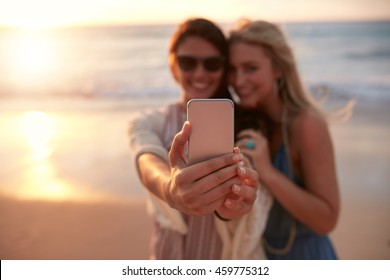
(74, 194)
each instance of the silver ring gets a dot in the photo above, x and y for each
(250, 144)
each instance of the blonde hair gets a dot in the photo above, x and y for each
(271, 38)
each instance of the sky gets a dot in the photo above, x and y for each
(49, 13)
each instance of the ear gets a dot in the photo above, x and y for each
(277, 72)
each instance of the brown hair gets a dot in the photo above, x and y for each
(209, 31)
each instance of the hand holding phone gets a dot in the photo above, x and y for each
(212, 128)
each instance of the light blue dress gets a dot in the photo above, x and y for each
(307, 245)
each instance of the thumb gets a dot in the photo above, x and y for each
(176, 154)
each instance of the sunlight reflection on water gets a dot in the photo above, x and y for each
(66, 156)
(33, 173)
(38, 130)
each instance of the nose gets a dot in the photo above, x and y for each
(199, 70)
(238, 79)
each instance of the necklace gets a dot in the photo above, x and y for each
(293, 229)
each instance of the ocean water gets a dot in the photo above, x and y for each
(349, 59)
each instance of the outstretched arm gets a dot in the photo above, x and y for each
(197, 189)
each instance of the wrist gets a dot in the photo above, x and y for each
(267, 176)
(220, 217)
(166, 195)
(264, 173)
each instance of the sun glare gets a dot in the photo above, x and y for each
(29, 24)
(39, 129)
(29, 57)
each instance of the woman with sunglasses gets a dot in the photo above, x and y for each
(294, 154)
(190, 203)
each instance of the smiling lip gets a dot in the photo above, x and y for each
(200, 85)
(245, 94)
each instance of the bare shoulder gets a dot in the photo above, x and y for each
(307, 120)
(309, 130)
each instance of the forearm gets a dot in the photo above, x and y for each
(305, 206)
(145, 130)
(154, 174)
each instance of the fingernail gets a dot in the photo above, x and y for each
(241, 164)
(236, 189)
(238, 157)
(242, 170)
(228, 203)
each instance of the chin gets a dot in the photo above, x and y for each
(203, 94)
(246, 103)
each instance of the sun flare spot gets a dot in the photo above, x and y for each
(30, 57)
(38, 130)
(44, 184)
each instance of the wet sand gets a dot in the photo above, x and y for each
(107, 230)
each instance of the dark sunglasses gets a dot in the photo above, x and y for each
(210, 64)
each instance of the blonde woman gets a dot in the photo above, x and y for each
(294, 154)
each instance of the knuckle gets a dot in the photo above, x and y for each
(180, 179)
(256, 177)
(239, 207)
(217, 163)
(200, 210)
(188, 199)
(192, 209)
(236, 180)
(220, 162)
(227, 159)
(219, 177)
(227, 187)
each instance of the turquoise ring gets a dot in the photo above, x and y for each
(250, 144)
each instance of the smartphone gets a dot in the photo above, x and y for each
(212, 128)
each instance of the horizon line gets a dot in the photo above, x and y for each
(145, 24)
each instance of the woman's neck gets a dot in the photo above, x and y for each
(272, 108)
